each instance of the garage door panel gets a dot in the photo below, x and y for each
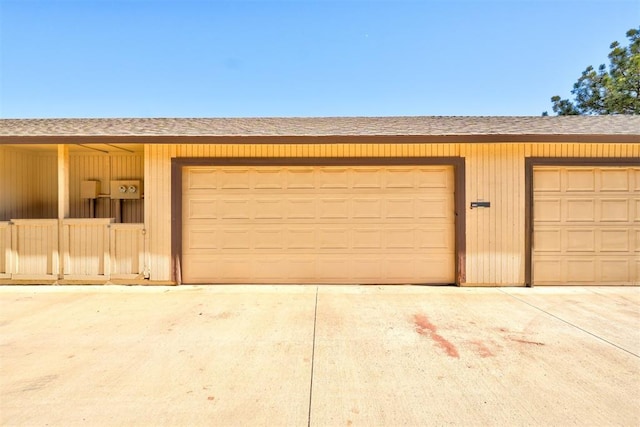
(234, 179)
(367, 238)
(200, 238)
(333, 238)
(580, 210)
(234, 208)
(434, 239)
(433, 178)
(268, 268)
(580, 240)
(333, 208)
(235, 238)
(616, 240)
(202, 209)
(268, 238)
(319, 225)
(396, 178)
(400, 208)
(433, 208)
(580, 270)
(300, 178)
(615, 270)
(205, 178)
(267, 179)
(300, 208)
(592, 238)
(336, 178)
(615, 180)
(548, 210)
(267, 208)
(400, 238)
(578, 180)
(369, 208)
(365, 269)
(547, 240)
(300, 238)
(614, 210)
(432, 269)
(548, 270)
(367, 178)
(547, 180)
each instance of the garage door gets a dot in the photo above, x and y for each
(318, 224)
(586, 225)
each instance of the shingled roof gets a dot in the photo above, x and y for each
(569, 128)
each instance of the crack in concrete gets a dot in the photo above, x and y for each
(313, 357)
(571, 324)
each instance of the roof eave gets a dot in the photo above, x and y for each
(319, 139)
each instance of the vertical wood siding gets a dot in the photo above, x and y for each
(494, 172)
(85, 248)
(127, 250)
(5, 249)
(28, 184)
(104, 168)
(157, 212)
(34, 244)
(495, 235)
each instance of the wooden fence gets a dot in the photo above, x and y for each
(72, 249)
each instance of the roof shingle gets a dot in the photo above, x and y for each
(324, 126)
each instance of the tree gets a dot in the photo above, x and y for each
(615, 90)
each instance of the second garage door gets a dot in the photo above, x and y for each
(586, 223)
(319, 224)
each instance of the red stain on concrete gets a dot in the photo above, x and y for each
(210, 398)
(425, 327)
(482, 349)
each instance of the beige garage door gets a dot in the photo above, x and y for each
(318, 225)
(586, 225)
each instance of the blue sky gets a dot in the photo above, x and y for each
(198, 58)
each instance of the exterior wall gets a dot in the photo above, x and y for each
(5, 249)
(28, 184)
(104, 168)
(494, 172)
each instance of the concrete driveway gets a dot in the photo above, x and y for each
(319, 356)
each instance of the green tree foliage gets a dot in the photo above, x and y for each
(615, 90)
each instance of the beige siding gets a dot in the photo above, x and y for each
(5, 249)
(494, 172)
(28, 184)
(104, 168)
(85, 248)
(495, 235)
(157, 211)
(34, 245)
(127, 250)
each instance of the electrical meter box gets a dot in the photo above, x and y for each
(126, 189)
(89, 189)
